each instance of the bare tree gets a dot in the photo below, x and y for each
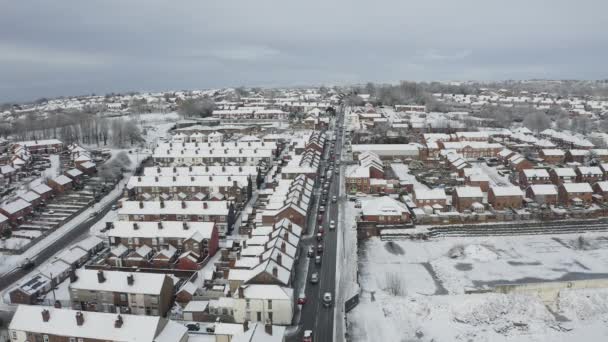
(196, 107)
(537, 121)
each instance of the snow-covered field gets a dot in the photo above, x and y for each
(414, 290)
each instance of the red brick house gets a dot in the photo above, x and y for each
(543, 193)
(552, 156)
(533, 176)
(44, 191)
(61, 184)
(385, 210)
(576, 156)
(16, 211)
(600, 190)
(504, 197)
(433, 198)
(562, 175)
(464, 197)
(589, 174)
(575, 194)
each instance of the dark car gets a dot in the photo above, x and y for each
(193, 327)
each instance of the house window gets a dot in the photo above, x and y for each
(72, 339)
(123, 297)
(154, 300)
(45, 338)
(80, 340)
(269, 304)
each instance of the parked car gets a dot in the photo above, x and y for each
(27, 264)
(311, 251)
(301, 300)
(320, 248)
(307, 336)
(193, 326)
(318, 260)
(334, 199)
(319, 236)
(327, 299)
(332, 225)
(314, 278)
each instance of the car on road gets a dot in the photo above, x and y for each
(320, 248)
(93, 214)
(307, 336)
(319, 218)
(193, 326)
(311, 251)
(301, 300)
(332, 225)
(322, 209)
(114, 207)
(334, 199)
(319, 236)
(318, 260)
(314, 278)
(327, 299)
(27, 264)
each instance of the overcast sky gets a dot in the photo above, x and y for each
(65, 47)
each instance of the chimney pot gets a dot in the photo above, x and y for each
(100, 276)
(118, 322)
(46, 315)
(275, 272)
(241, 292)
(185, 225)
(79, 318)
(130, 279)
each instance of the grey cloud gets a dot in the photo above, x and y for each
(76, 47)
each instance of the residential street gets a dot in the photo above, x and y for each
(315, 316)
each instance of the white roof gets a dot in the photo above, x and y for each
(603, 185)
(384, 206)
(577, 187)
(590, 170)
(62, 180)
(564, 172)
(433, 194)
(15, 206)
(539, 173)
(174, 207)
(170, 229)
(507, 191)
(468, 191)
(544, 189)
(186, 181)
(42, 188)
(34, 143)
(268, 292)
(97, 325)
(116, 281)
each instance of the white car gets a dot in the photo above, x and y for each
(327, 299)
(332, 225)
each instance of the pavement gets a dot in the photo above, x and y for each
(314, 315)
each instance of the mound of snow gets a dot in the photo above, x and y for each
(492, 309)
(583, 304)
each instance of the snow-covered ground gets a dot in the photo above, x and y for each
(414, 290)
(402, 172)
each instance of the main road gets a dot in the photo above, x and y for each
(314, 315)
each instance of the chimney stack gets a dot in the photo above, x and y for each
(162, 203)
(79, 318)
(283, 247)
(160, 225)
(100, 276)
(241, 292)
(185, 225)
(205, 205)
(141, 204)
(118, 322)
(57, 305)
(280, 259)
(183, 204)
(73, 276)
(268, 327)
(46, 315)
(275, 272)
(260, 259)
(135, 226)
(130, 279)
